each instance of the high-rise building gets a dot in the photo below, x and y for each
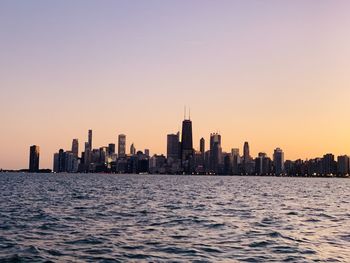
(90, 140)
(34, 159)
(262, 164)
(187, 153)
(235, 161)
(56, 164)
(278, 161)
(121, 145)
(71, 162)
(103, 155)
(227, 163)
(246, 152)
(202, 153)
(328, 164)
(248, 164)
(215, 152)
(202, 146)
(87, 154)
(75, 147)
(132, 149)
(173, 145)
(111, 149)
(343, 165)
(61, 161)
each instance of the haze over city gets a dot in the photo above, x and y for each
(273, 73)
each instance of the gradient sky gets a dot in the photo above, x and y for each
(275, 73)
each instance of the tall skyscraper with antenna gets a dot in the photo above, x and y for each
(187, 152)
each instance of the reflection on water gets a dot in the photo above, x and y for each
(107, 218)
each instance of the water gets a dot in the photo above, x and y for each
(108, 218)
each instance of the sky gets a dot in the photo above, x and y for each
(274, 73)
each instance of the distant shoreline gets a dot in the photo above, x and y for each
(48, 171)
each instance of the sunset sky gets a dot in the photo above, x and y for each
(274, 73)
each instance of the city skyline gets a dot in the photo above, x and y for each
(273, 73)
(122, 146)
(182, 158)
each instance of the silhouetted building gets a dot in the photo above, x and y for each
(202, 146)
(227, 164)
(296, 168)
(75, 147)
(202, 151)
(56, 164)
(278, 161)
(173, 147)
(343, 165)
(103, 155)
(187, 147)
(34, 155)
(157, 164)
(246, 152)
(215, 152)
(199, 163)
(87, 155)
(132, 149)
(111, 149)
(262, 164)
(71, 162)
(61, 161)
(90, 139)
(314, 166)
(248, 165)
(121, 145)
(329, 165)
(235, 161)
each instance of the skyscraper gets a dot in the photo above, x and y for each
(56, 163)
(75, 147)
(202, 146)
(111, 149)
(132, 149)
(87, 155)
(202, 152)
(215, 152)
(121, 145)
(62, 161)
(173, 147)
(90, 140)
(187, 146)
(34, 159)
(262, 164)
(278, 161)
(235, 160)
(329, 165)
(248, 165)
(103, 154)
(246, 153)
(343, 165)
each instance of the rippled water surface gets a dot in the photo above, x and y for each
(108, 218)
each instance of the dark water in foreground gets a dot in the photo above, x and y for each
(107, 218)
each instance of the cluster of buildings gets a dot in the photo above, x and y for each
(182, 158)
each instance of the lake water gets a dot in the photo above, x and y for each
(111, 218)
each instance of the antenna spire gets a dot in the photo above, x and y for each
(185, 112)
(189, 116)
